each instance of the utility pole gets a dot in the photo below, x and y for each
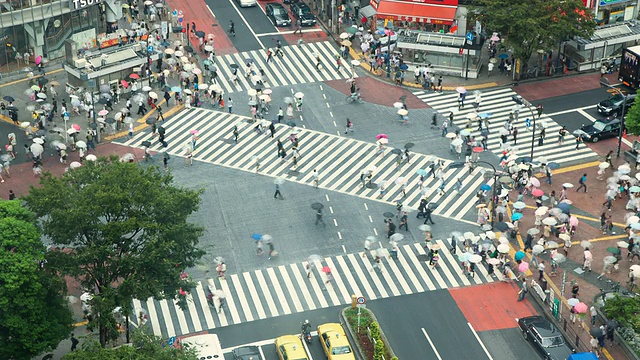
(604, 82)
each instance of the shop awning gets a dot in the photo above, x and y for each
(412, 12)
(368, 11)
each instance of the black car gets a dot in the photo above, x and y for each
(278, 14)
(601, 129)
(301, 11)
(247, 353)
(545, 337)
(613, 105)
(289, 1)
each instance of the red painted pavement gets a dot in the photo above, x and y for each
(198, 12)
(22, 174)
(378, 92)
(538, 90)
(492, 306)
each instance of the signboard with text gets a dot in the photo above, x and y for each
(81, 4)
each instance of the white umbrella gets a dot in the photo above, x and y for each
(278, 181)
(169, 51)
(25, 124)
(559, 258)
(541, 210)
(36, 149)
(91, 157)
(469, 235)
(549, 221)
(603, 165)
(573, 301)
(81, 144)
(552, 244)
(71, 131)
(567, 185)
(519, 205)
(494, 261)
(503, 240)
(396, 237)
(472, 115)
(344, 35)
(38, 141)
(42, 95)
(424, 227)
(475, 258)
(298, 95)
(632, 220)
(537, 249)
(403, 112)
(178, 53)
(146, 88)
(74, 165)
(622, 244)
(187, 91)
(153, 95)
(456, 142)
(490, 235)
(533, 231)
(503, 248)
(585, 244)
(398, 105)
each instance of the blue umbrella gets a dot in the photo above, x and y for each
(516, 216)
(503, 56)
(519, 256)
(421, 172)
(404, 67)
(485, 115)
(380, 31)
(564, 207)
(256, 236)
(177, 89)
(485, 187)
(553, 165)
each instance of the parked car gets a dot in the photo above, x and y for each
(545, 337)
(247, 353)
(334, 342)
(613, 105)
(278, 14)
(247, 3)
(290, 1)
(301, 11)
(601, 129)
(289, 347)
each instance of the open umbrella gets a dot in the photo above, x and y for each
(516, 216)
(541, 210)
(613, 250)
(537, 249)
(549, 221)
(573, 302)
(9, 98)
(464, 257)
(566, 208)
(596, 332)
(457, 142)
(424, 227)
(503, 248)
(388, 215)
(537, 192)
(344, 35)
(461, 90)
(485, 187)
(38, 141)
(519, 255)
(91, 157)
(580, 308)
(533, 231)
(396, 237)
(278, 181)
(567, 185)
(475, 258)
(317, 206)
(585, 244)
(559, 258)
(523, 267)
(519, 205)
(81, 144)
(36, 149)
(610, 259)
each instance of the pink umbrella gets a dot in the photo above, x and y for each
(523, 267)
(537, 192)
(535, 182)
(103, 112)
(581, 308)
(76, 127)
(194, 131)
(573, 221)
(478, 149)
(380, 136)
(38, 60)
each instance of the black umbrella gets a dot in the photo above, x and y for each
(523, 159)
(43, 81)
(9, 98)
(110, 120)
(596, 331)
(432, 205)
(12, 108)
(502, 226)
(161, 130)
(234, 66)
(93, 125)
(166, 155)
(291, 123)
(200, 33)
(40, 133)
(103, 101)
(409, 145)
(388, 215)
(612, 324)
(146, 143)
(188, 48)
(396, 151)
(151, 121)
(317, 206)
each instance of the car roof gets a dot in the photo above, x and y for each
(292, 345)
(300, 5)
(243, 351)
(335, 333)
(609, 120)
(276, 5)
(544, 327)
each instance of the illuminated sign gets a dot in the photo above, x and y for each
(81, 4)
(610, 2)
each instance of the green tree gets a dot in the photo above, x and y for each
(529, 25)
(379, 350)
(632, 119)
(34, 316)
(143, 347)
(128, 231)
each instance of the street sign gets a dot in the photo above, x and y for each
(361, 300)
(527, 122)
(470, 36)
(171, 341)
(92, 83)
(150, 49)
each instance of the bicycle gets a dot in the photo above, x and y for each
(354, 98)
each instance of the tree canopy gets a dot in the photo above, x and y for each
(632, 119)
(127, 233)
(143, 347)
(529, 25)
(34, 315)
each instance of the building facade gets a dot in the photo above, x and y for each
(40, 27)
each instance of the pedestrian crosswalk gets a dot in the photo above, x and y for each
(499, 103)
(285, 289)
(296, 66)
(338, 160)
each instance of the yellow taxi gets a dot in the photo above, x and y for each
(335, 342)
(289, 347)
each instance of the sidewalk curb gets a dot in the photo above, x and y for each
(143, 125)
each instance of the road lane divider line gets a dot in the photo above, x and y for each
(480, 341)
(431, 343)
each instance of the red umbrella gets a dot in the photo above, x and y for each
(76, 126)
(380, 136)
(38, 60)
(478, 149)
(326, 269)
(537, 192)
(124, 83)
(134, 76)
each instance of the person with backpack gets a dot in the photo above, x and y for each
(583, 183)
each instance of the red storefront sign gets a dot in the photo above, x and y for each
(423, 11)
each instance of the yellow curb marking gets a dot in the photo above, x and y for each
(27, 79)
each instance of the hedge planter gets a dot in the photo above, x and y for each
(368, 338)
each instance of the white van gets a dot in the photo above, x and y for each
(247, 3)
(207, 346)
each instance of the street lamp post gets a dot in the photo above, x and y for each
(148, 67)
(496, 183)
(604, 82)
(519, 100)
